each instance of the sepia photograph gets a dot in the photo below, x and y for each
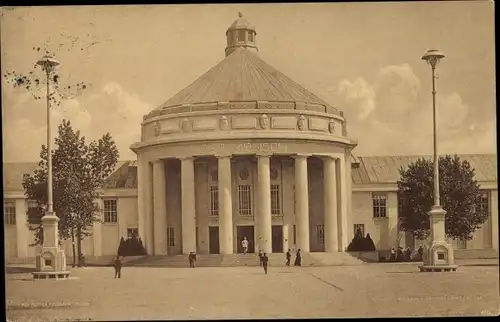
(249, 161)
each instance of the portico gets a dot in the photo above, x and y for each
(256, 156)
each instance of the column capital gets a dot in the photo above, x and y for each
(301, 156)
(263, 155)
(328, 157)
(222, 156)
(157, 161)
(186, 158)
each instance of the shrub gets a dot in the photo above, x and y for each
(131, 247)
(360, 243)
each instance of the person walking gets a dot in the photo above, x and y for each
(118, 267)
(192, 259)
(244, 244)
(288, 257)
(260, 257)
(265, 260)
(298, 258)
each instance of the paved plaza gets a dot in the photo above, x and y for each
(371, 290)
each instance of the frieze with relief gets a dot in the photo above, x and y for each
(302, 123)
(186, 125)
(264, 122)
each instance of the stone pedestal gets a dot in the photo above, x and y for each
(51, 261)
(438, 255)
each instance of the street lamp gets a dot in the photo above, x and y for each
(48, 64)
(51, 261)
(438, 256)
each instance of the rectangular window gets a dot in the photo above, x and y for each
(462, 244)
(485, 201)
(241, 35)
(250, 36)
(214, 201)
(110, 211)
(275, 199)
(320, 234)
(360, 227)
(132, 232)
(379, 205)
(294, 234)
(196, 237)
(171, 236)
(33, 214)
(9, 212)
(244, 199)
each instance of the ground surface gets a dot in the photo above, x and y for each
(371, 290)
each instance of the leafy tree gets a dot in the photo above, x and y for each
(78, 170)
(459, 196)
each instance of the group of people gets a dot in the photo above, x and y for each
(264, 259)
(403, 255)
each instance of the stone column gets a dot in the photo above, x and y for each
(22, 230)
(264, 221)
(188, 206)
(302, 202)
(494, 218)
(341, 176)
(225, 205)
(145, 201)
(97, 230)
(288, 210)
(330, 205)
(160, 208)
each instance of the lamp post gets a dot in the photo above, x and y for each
(51, 261)
(48, 64)
(438, 256)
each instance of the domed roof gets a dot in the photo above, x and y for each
(241, 23)
(242, 77)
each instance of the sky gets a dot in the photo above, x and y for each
(363, 58)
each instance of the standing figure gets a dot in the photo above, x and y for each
(298, 258)
(192, 259)
(421, 253)
(408, 253)
(288, 257)
(118, 267)
(393, 254)
(260, 257)
(244, 244)
(265, 260)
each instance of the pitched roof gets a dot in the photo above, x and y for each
(385, 169)
(13, 174)
(243, 76)
(123, 177)
(371, 170)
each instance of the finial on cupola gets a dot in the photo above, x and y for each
(240, 15)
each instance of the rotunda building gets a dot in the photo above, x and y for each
(244, 152)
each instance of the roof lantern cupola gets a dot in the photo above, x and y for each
(240, 35)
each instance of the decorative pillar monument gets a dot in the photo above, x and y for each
(438, 256)
(51, 261)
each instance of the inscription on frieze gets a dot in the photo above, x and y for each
(248, 147)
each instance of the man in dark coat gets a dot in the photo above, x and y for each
(260, 257)
(265, 260)
(298, 258)
(288, 257)
(192, 259)
(118, 267)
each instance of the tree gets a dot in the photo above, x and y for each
(78, 170)
(459, 196)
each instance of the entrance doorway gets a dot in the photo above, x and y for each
(245, 231)
(213, 240)
(277, 235)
